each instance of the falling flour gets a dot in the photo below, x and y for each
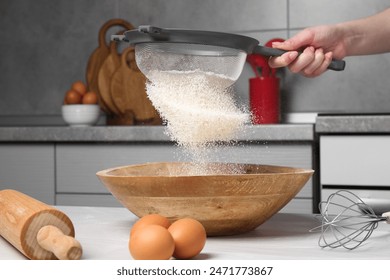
(199, 111)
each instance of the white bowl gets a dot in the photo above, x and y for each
(81, 114)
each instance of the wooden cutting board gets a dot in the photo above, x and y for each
(99, 55)
(110, 64)
(128, 92)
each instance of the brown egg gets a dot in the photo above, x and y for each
(151, 242)
(80, 87)
(90, 98)
(151, 219)
(189, 236)
(72, 97)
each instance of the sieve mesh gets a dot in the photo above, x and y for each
(183, 57)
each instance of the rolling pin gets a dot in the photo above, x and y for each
(37, 230)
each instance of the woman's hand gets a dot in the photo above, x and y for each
(318, 46)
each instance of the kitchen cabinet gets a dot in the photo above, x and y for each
(355, 160)
(359, 163)
(28, 168)
(58, 164)
(76, 165)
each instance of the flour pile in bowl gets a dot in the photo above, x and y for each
(199, 110)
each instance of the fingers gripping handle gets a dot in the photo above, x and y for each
(64, 247)
(336, 65)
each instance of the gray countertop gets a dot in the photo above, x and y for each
(280, 132)
(359, 124)
(325, 124)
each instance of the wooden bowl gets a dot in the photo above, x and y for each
(226, 204)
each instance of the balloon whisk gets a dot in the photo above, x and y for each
(347, 221)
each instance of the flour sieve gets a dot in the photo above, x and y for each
(217, 53)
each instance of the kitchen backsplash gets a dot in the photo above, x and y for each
(45, 46)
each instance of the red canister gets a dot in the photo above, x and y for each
(264, 100)
(264, 89)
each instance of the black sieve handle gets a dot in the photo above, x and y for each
(336, 65)
(147, 29)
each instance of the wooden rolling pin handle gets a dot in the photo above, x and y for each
(64, 247)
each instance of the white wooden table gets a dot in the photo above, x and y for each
(104, 235)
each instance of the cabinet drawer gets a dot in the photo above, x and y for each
(101, 200)
(28, 168)
(298, 205)
(355, 160)
(77, 164)
(291, 154)
(378, 200)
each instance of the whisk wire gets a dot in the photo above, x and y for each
(346, 221)
(342, 239)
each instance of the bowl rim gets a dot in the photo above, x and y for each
(105, 172)
(79, 105)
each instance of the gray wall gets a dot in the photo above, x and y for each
(45, 46)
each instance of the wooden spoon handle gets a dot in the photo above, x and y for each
(64, 247)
